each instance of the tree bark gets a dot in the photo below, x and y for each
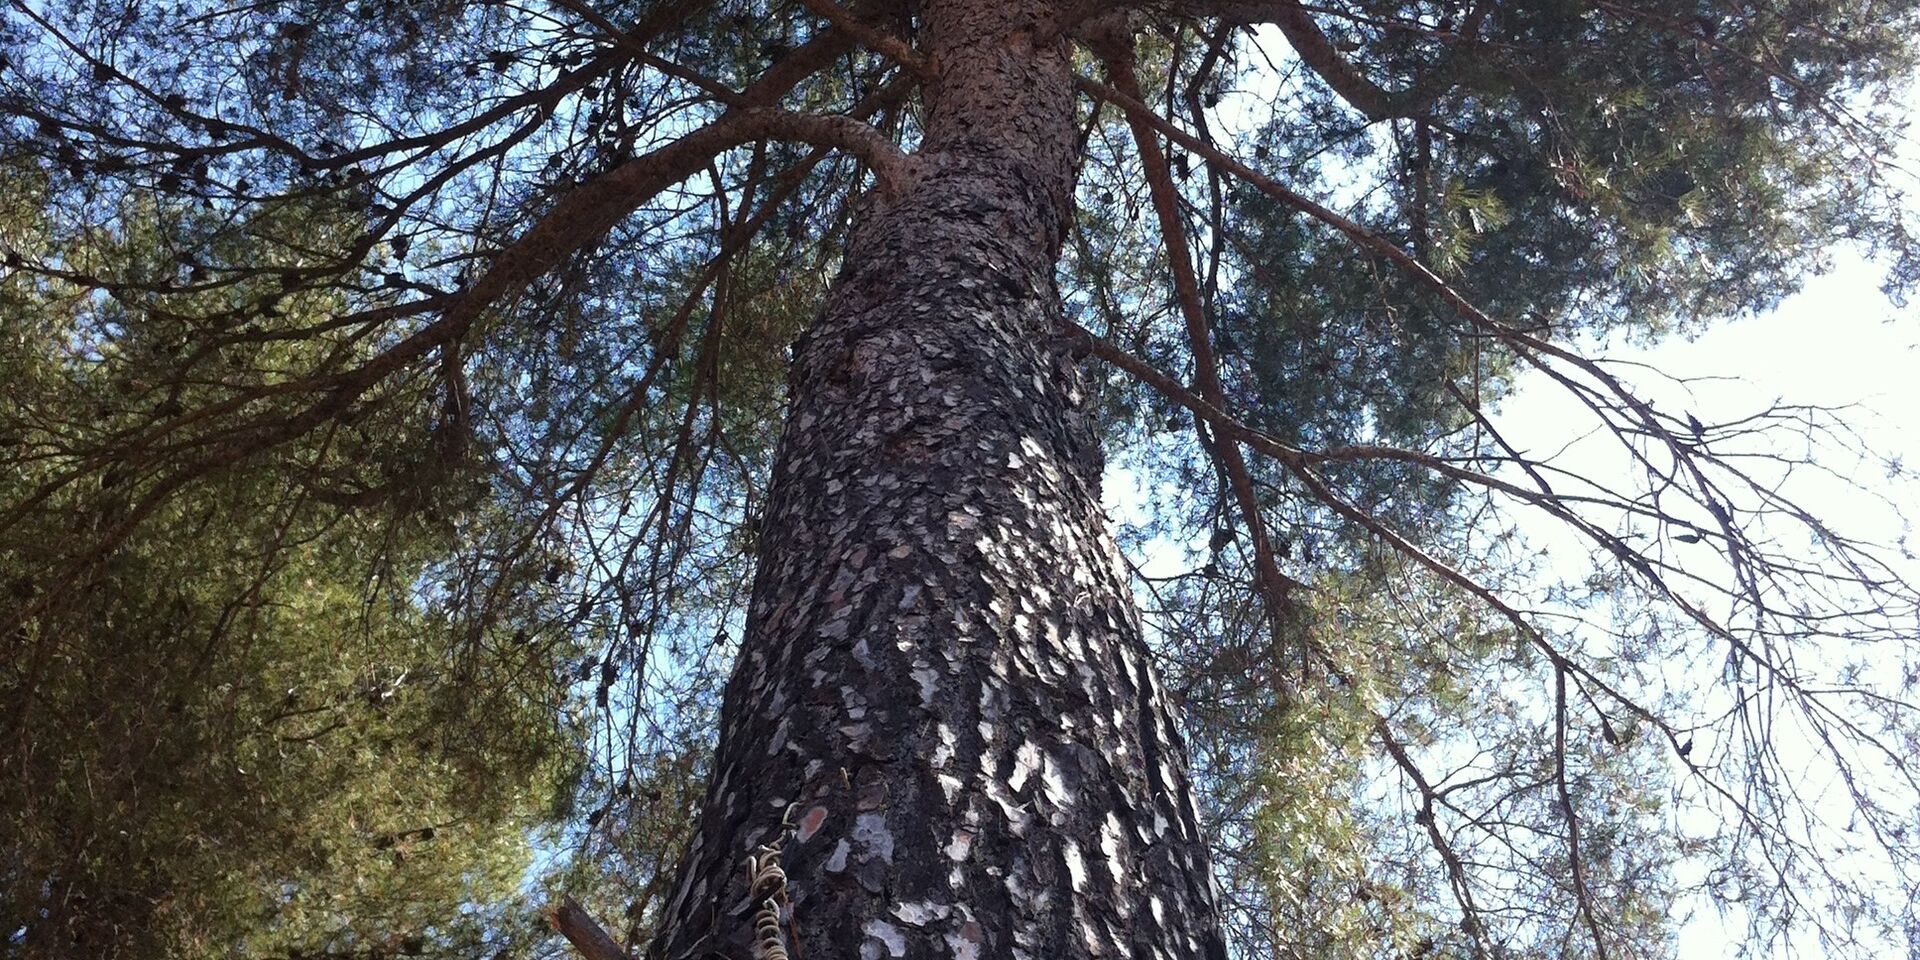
(943, 678)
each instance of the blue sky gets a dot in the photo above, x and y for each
(1839, 343)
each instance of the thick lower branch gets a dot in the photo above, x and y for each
(587, 936)
(1320, 55)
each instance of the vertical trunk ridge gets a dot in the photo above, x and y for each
(943, 682)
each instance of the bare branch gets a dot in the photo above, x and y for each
(872, 37)
(1275, 586)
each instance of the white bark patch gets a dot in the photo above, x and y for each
(950, 785)
(927, 679)
(1090, 935)
(1033, 900)
(965, 942)
(857, 735)
(1016, 815)
(961, 844)
(1110, 837)
(888, 934)
(942, 751)
(999, 667)
(838, 861)
(1167, 779)
(919, 913)
(1055, 786)
(875, 840)
(1090, 681)
(1026, 761)
(1076, 865)
(851, 698)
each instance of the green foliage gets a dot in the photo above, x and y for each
(1575, 171)
(245, 728)
(306, 571)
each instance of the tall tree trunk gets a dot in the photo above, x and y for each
(943, 674)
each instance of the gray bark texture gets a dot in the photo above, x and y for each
(943, 685)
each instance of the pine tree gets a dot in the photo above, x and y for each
(238, 730)
(788, 343)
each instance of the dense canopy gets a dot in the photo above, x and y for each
(389, 394)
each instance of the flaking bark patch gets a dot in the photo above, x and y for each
(943, 668)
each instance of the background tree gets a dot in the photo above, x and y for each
(244, 727)
(513, 286)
